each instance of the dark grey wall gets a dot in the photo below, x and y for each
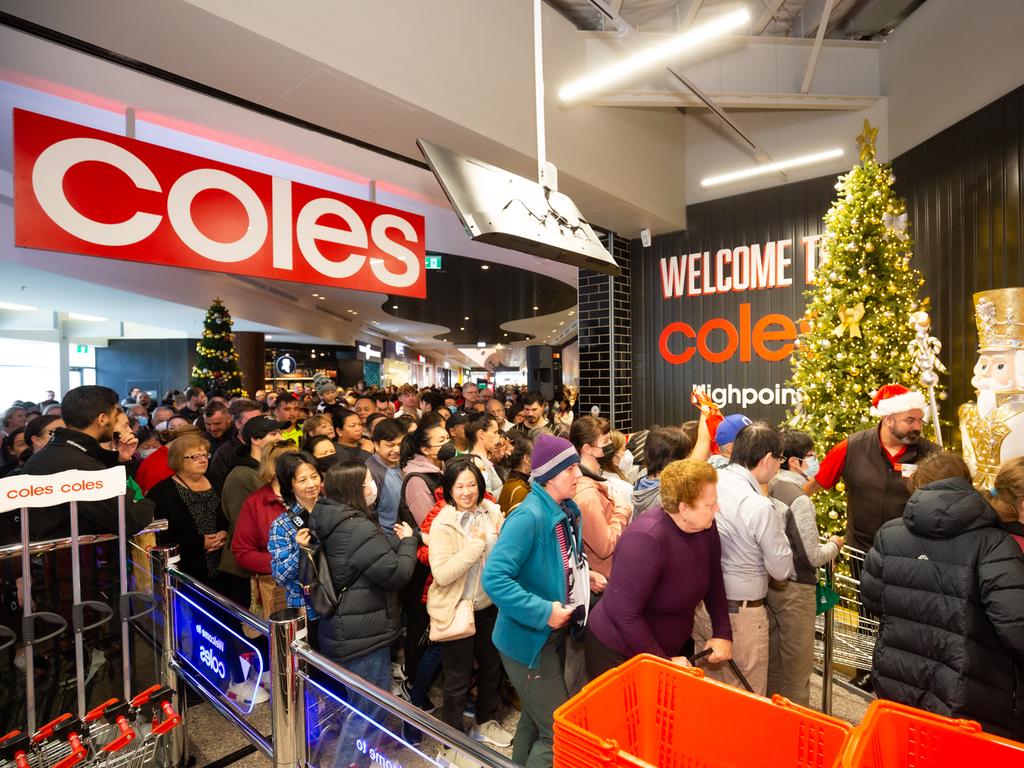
(963, 192)
(159, 364)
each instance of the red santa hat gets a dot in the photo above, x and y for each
(895, 398)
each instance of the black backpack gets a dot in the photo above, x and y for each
(315, 577)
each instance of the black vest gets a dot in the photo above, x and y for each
(788, 492)
(875, 492)
(433, 481)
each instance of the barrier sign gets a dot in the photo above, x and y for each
(50, 490)
(219, 654)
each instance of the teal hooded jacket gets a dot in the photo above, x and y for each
(524, 573)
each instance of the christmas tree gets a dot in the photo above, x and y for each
(216, 365)
(858, 314)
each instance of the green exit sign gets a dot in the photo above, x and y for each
(82, 349)
(433, 262)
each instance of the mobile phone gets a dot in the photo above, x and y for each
(117, 439)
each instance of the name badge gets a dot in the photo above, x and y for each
(906, 470)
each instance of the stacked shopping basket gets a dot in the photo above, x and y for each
(651, 713)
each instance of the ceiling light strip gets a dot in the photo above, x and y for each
(654, 55)
(781, 165)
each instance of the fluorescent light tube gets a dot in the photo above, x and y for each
(781, 165)
(656, 54)
(16, 307)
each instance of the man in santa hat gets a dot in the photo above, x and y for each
(876, 463)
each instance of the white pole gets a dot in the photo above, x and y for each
(538, 79)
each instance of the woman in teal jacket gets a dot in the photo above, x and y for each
(529, 576)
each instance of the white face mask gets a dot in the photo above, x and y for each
(626, 462)
(370, 492)
(145, 452)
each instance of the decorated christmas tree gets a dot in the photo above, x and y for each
(858, 314)
(216, 365)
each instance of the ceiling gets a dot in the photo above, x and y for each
(847, 19)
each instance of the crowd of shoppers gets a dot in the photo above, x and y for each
(498, 544)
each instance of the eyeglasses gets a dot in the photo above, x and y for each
(199, 457)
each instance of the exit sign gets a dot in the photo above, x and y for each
(82, 349)
(433, 262)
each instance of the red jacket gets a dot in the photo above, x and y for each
(423, 551)
(252, 531)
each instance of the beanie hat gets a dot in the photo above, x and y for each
(551, 455)
(895, 398)
(323, 384)
(730, 428)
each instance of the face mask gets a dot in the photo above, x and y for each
(811, 466)
(626, 462)
(371, 492)
(145, 452)
(142, 420)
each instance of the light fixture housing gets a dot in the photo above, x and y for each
(779, 165)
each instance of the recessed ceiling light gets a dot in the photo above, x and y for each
(572, 311)
(505, 334)
(322, 298)
(562, 323)
(466, 317)
(535, 309)
(316, 294)
(86, 318)
(394, 306)
(17, 307)
(485, 266)
(268, 337)
(354, 312)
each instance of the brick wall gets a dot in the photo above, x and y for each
(606, 364)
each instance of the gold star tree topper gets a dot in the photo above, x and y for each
(866, 140)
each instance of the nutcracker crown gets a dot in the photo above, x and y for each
(1000, 318)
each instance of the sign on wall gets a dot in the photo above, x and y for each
(726, 303)
(82, 190)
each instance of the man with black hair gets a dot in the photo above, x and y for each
(754, 549)
(195, 401)
(286, 408)
(90, 413)
(383, 465)
(663, 445)
(223, 460)
(218, 427)
(535, 420)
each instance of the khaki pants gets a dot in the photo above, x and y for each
(791, 610)
(749, 646)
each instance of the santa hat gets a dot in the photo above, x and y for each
(895, 398)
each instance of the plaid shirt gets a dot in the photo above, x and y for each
(284, 561)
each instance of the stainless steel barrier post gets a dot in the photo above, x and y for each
(162, 559)
(828, 638)
(287, 695)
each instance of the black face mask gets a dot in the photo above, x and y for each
(606, 461)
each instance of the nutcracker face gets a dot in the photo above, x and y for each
(996, 371)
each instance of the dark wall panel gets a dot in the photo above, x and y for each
(126, 362)
(964, 198)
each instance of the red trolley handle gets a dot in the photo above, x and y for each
(171, 719)
(97, 712)
(127, 735)
(78, 752)
(14, 746)
(45, 732)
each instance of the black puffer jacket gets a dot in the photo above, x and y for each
(363, 561)
(949, 586)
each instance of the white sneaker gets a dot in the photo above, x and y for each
(247, 693)
(397, 673)
(455, 759)
(491, 733)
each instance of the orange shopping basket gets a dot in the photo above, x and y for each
(897, 736)
(651, 712)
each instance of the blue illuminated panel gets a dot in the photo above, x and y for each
(213, 651)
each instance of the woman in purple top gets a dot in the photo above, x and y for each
(666, 563)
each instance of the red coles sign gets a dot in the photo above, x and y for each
(80, 190)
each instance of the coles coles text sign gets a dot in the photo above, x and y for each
(81, 190)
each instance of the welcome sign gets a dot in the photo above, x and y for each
(723, 303)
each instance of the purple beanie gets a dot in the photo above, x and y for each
(551, 455)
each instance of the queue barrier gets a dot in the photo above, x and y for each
(650, 712)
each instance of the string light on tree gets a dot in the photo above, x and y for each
(216, 365)
(859, 314)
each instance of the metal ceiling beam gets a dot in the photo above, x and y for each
(691, 12)
(756, 149)
(771, 8)
(806, 22)
(813, 61)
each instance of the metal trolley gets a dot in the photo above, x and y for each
(853, 629)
